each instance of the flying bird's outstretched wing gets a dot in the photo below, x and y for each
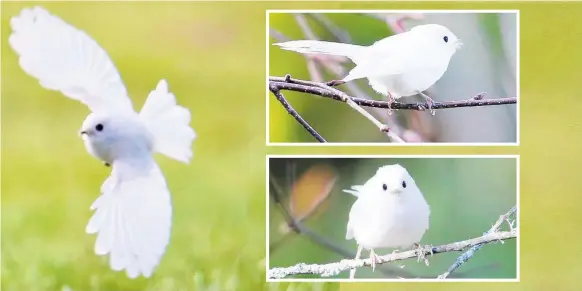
(133, 217)
(169, 124)
(66, 59)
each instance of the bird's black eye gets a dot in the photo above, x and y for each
(385, 187)
(446, 38)
(403, 184)
(99, 127)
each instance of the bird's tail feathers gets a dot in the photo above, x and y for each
(169, 124)
(355, 190)
(132, 219)
(322, 47)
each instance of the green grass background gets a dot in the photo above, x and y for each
(213, 55)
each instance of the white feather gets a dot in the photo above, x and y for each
(390, 211)
(354, 191)
(168, 123)
(133, 217)
(400, 65)
(322, 47)
(66, 59)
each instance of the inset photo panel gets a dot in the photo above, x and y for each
(416, 77)
(393, 218)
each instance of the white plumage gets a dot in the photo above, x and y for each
(401, 65)
(390, 211)
(168, 122)
(133, 215)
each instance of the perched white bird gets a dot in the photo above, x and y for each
(400, 65)
(390, 212)
(133, 215)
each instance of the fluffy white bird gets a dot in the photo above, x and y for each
(133, 215)
(400, 65)
(390, 212)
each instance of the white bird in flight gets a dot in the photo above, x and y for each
(133, 215)
(400, 65)
(390, 212)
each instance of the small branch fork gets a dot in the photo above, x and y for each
(332, 269)
(277, 92)
(471, 252)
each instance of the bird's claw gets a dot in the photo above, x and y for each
(391, 101)
(420, 253)
(375, 259)
(430, 103)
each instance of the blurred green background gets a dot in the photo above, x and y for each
(213, 55)
(466, 197)
(489, 44)
(49, 181)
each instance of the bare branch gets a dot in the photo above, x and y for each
(294, 113)
(323, 90)
(332, 269)
(469, 254)
(278, 85)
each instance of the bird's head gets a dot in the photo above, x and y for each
(97, 127)
(439, 37)
(392, 179)
(111, 136)
(100, 134)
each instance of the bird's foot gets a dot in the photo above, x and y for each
(334, 83)
(420, 253)
(429, 102)
(106, 164)
(478, 97)
(391, 101)
(375, 259)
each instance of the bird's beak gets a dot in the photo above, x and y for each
(82, 132)
(458, 44)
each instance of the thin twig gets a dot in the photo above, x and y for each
(294, 113)
(279, 36)
(332, 269)
(323, 90)
(338, 33)
(282, 83)
(469, 254)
